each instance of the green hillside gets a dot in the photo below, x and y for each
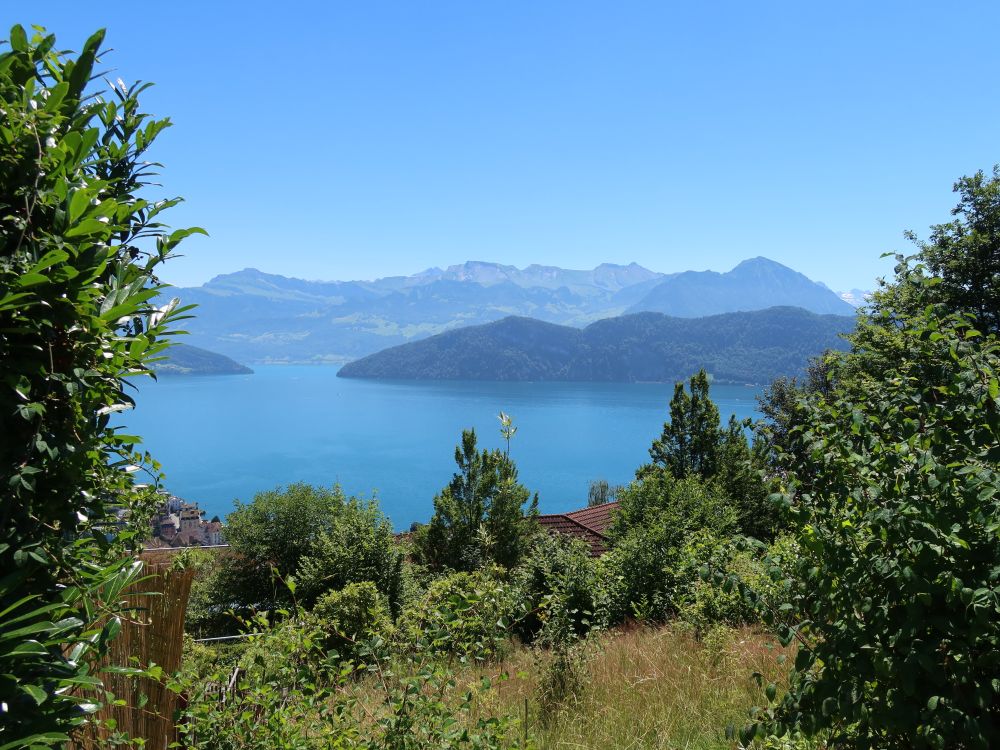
(744, 347)
(184, 359)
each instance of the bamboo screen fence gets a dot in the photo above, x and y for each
(153, 634)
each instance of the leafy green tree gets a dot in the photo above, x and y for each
(957, 269)
(479, 517)
(80, 246)
(316, 536)
(896, 597)
(962, 257)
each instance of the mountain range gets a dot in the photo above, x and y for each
(254, 317)
(741, 347)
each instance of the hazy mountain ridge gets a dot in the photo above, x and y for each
(257, 317)
(754, 284)
(742, 347)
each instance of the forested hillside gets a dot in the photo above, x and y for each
(746, 347)
(184, 359)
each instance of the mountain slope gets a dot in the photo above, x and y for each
(745, 347)
(257, 317)
(184, 359)
(754, 284)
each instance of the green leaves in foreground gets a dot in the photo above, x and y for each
(79, 247)
(896, 599)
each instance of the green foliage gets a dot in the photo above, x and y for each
(558, 579)
(681, 506)
(693, 444)
(358, 547)
(281, 698)
(706, 572)
(291, 694)
(657, 516)
(352, 614)
(961, 259)
(479, 517)
(80, 244)
(689, 443)
(317, 536)
(465, 614)
(205, 616)
(895, 601)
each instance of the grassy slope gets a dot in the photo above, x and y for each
(648, 688)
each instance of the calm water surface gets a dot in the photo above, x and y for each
(225, 437)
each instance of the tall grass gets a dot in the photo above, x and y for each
(646, 688)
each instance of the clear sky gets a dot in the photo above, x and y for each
(344, 140)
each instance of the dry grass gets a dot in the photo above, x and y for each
(646, 688)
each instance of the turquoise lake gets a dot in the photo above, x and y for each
(225, 437)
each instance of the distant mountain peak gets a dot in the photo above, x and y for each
(753, 284)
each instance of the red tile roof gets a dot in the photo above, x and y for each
(587, 524)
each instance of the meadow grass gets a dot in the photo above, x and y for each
(644, 688)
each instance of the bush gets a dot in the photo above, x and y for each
(558, 578)
(643, 573)
(895, 604)
(80, 246)
(465, 614)
(318, 537)
(706, 596)
(354, 613)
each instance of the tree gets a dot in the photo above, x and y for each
(479, 517)
(80, 245)
(316, 537)
(690, 440)
(693, 444)
(600, 492)
(961, 260)
(896, 599)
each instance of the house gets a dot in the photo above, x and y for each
(182, 524)
(590, 525)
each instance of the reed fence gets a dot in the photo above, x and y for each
(152, 633)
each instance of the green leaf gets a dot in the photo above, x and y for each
(18, 39)
(36, 693)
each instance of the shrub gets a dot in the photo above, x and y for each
(354, 613)
(558, 578)
(80, 246)
(658, 514)
(317, 536)
(895, 604)
(465, 614)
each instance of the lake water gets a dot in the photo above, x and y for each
(225, 437)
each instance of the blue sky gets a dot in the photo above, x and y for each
(335, 140)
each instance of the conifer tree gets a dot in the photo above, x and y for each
(479, 517)
(689, 443)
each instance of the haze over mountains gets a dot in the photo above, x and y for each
(255, 317)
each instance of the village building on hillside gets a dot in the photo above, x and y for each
(587, 524)
(181, 524)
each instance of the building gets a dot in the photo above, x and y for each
(181, 524)
(590, 525)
